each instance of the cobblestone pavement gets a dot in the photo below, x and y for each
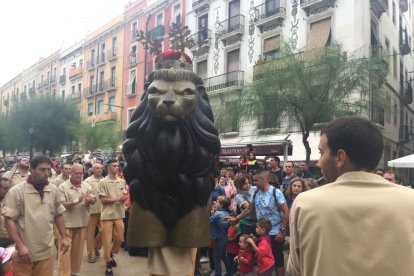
(127, 265)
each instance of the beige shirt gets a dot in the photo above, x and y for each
(16, 178)
(94, 184)
(59, 180)
(358, 225)
(112, 189)
(3, 231)
(34, 217)
(78, 215)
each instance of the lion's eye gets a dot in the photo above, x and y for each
(153, 91)
(188, 92)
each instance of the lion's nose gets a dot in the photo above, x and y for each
(168, 100)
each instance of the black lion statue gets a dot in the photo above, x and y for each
(171, 149)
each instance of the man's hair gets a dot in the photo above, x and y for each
(38, 159)
(240, 180)
(276, 158)
(262, 173)
(358, 137)
(265, 224)
(110, 161)
(76, 166)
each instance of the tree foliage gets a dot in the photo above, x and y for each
(52, 122)
(311, 87)
(101, 136)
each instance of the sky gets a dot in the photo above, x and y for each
(30, 29)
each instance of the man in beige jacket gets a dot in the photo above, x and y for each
(360, 224)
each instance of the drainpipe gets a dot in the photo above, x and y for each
(145, 56)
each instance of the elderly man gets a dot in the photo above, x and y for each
(76, 196)
(30, 209)
(19, 172)
(359, 224)
(93, 244)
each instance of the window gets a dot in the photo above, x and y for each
(114, 46)
(101, 81)
(176, 16)
(134, 30)
(113, 76)
(387, 108)
(103, 52)
(90, 109)
(133, 55)
(64, 71)
(395, 114)
(202, 69)
(271, 48)
(111, 104)
(159, 20)
(319, 34)
(73, 90)
(132, 82)
(80, 63)
(100, 107)
(91, 82)
(63, 94)
(24, 89)
(393, 12)
(92, 57)
(202, 28)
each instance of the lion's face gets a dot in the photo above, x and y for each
(171, 101)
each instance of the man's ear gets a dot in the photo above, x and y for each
(342, 159)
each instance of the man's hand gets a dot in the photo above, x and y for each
(23, 253)
(64, 245)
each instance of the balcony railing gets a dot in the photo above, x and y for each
(109, 85)
(52, 80)
(405, 47)
(269, 9)
(89, 91)
(316, 6)
(406, 92)
(32, 91)
(233, 24)
(378, 113)
(224, 81)
(91, 64)
(157, 31)
(201, 37)
(76, 96)
(62, 79)
(75, 72)
(101, 58)
(6, 102)
(111, 54)
(199, 5)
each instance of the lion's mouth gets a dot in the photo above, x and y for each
(169, 118)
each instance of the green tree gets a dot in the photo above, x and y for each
(105, 135)
(52, 121)
(311, 87)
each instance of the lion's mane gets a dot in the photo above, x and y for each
(171, 165)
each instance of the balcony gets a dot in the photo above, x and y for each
(316, 6)
(62, 79)
(40, 85)
(111, 54)
(89, 91)
(90, 65)
(103, 117)
(231, 30)
(202, 42)
(264, 68)
(200, 5)
(75, 72)
(46, 83)
(378, 113)
(32, 91)
(23, 96)
(269, 16)
(403, 5)
(378, 52)
(101, 59)
(6, 102)
(404, 42)
(231, 80)
(406, 92)
(378, 7)
(109, 85)
(52, 80)
(404, 134)
(132, 60)
(157, 31)
(77, 96)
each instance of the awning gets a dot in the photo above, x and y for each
(319, 34)
(259, 149)
(402, 162)
(271, 44)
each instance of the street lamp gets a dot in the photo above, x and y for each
(31, 132)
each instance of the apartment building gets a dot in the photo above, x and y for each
(233, 35)
(48, 68)
(102, 76)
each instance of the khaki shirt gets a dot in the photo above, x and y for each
(59, 180)
(16, 178)
(112, 189)
(78, 215)
(94, 186)
(34, 217)
(3, 230)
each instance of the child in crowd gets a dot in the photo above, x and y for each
(263, 249)
(232, 246)
(219, 228)
(245, 257)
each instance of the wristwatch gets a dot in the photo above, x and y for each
(282, 230)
